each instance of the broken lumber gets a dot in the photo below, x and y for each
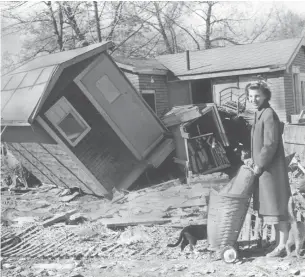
(301, 168)
(167, 183)
(200, 201)
(121, 223)
(58, 218)
(68, 198)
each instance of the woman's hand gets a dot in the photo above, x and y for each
(257, 170)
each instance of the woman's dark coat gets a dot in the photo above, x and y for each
(272, 192)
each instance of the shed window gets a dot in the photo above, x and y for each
(108, 89)
(150, 98)
(68, 121)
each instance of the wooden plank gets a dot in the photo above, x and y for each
(32, 165)
(135, 222)
(99, 189)
(294, 134)
(58, 218)
(191, 203)
(133, 176)
(161, 152)
(201, 136)
(36, 161)
(273, 234)
(68, 169)
(179, 161)
(247, 230)
(257, 228)
(216, 169)
(188, 171)
(193, 164)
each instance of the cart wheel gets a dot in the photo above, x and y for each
(229, 254)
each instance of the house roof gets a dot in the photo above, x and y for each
(24, 89)
(141, 66)
(265, 56)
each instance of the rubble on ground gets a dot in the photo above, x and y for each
(140, 224)
(52, 231)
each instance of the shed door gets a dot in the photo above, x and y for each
(121, 106)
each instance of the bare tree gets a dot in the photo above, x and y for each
(58, 26)
(217, 27)
(97, 21)
(162, 18)
(71, 19)
(287, 24)
(141, 28)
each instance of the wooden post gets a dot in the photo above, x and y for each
(188, 171)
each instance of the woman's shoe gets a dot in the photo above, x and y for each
(277, 252)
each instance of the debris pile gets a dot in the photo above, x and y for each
(200, 138)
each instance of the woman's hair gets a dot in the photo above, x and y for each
(262, 86)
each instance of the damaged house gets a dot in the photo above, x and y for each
(66, 128)
(220, 75)
(74, 119)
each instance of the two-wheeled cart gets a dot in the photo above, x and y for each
(226, 215)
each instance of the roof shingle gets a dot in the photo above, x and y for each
(248, 56)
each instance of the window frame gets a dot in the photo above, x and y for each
(80, 120)
(150, 91)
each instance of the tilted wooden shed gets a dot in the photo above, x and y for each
(74, 119)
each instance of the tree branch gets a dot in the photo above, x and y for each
(226, 39)
(140, 47)
(130, 36)
(148, 53)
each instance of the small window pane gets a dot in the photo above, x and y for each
(30, 78)
(108, 89)
(71, 127)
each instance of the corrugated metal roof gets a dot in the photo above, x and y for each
(257, 55)
(22, 89)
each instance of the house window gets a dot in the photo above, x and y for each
(202, 91)
(68, 121)
(150, 98)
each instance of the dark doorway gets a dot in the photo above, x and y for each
(202, 91)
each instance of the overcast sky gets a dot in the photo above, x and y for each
(12, 43)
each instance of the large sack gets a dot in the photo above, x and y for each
(242, 183)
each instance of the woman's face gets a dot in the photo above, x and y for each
(256, 98)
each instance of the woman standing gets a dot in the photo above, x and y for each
(272, 193)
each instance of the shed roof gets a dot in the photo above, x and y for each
(24, 89)
(271, 55)
(141, 66)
